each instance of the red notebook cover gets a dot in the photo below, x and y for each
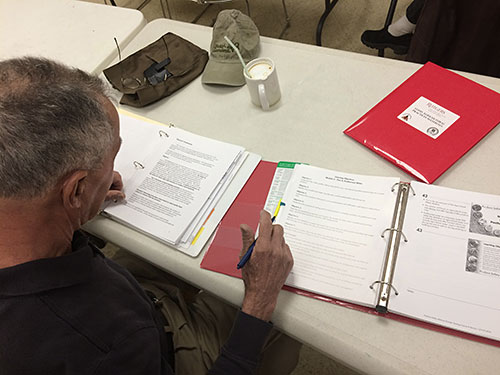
(429, 121)
(223, 254)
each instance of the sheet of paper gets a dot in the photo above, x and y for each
(333, 222)
(223, 203)
(449, 271)
(209, 205)
(283, 173)
(139, 139)
(177, 178)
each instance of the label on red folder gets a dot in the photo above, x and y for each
(429, 122)
(428, 117)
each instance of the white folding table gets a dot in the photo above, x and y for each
(76, 33)
(323, 92)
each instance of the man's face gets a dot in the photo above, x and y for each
(99, 180)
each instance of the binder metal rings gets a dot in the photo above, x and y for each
(163, 133)
(138, 165)
(384, 283)
(394, 230)
(392, 247)
(403, 184)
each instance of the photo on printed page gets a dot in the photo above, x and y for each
(483, 257)
(485, 219)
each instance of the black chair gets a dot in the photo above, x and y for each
(330, 4)
(388, 21)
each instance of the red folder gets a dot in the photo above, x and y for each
(427, 152)
(224, 251)
(223, 254)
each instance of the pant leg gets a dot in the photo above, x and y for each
(280, 353)
(202, 324)
(413, 10)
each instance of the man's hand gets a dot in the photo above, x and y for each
(115, 192)
(267, 269)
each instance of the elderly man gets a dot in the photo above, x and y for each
(64, 307)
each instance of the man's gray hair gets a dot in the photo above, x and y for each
(52, 122)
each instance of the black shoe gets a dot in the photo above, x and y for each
(380, 39)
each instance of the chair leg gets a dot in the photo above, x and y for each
(388, 21)
(168, 9)
(248, 8)
(329, 5)
(196, 19)
(209, 3)
(143, 4)
(287, 19)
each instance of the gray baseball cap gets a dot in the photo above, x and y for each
(224, 67)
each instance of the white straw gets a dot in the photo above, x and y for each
(239, 55)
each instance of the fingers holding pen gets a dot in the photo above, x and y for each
(247, 238)
(270, 249)
(264, 241)
(265, 224)
(281, 249)
(271, 243)
(267, 269)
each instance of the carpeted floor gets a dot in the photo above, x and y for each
(342, 29)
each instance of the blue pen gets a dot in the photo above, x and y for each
(247, 255)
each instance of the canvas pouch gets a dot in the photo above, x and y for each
(157, 70)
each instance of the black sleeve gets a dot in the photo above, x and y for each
(241, 352)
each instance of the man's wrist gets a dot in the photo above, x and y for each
(258, 307)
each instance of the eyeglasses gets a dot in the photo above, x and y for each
(156, 73)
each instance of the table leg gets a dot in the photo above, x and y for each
(329, 5)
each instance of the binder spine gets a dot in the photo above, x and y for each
(394, 235)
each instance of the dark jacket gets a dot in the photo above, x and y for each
(83, 314)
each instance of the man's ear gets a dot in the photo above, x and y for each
(73, 189)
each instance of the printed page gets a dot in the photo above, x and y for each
(333, 222)
(449, 271)
(170, 187)
(284, 171)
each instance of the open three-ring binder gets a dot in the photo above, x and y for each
(178, 184)
(417, 253)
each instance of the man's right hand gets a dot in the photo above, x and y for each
(267, 269)
(115, 192)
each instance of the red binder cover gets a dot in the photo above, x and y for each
(429, 121)
(223, 254)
